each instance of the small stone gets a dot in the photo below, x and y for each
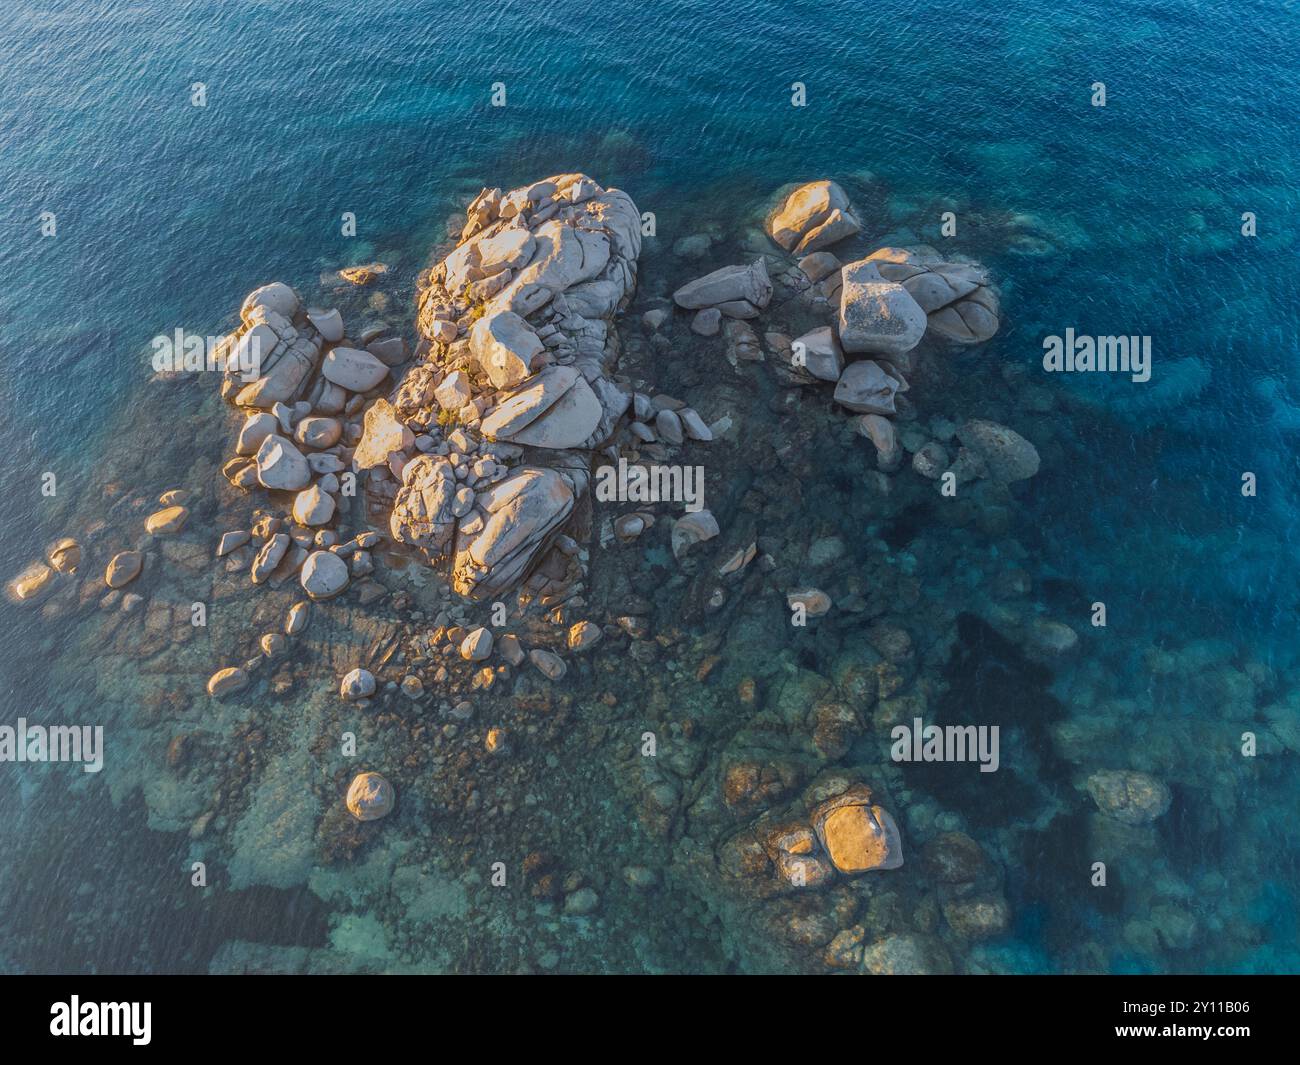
(269, 557)
(583, 636)
(551, 665)
(312, 506)
(227, 681)
(167, 521)
(324, 575)
(357, 684)
(281, 466)
(297, 618)
(477, 645)
(318, 433)
(669, 426)
(123, 568)
(694, 425)
(707, 323)
(273, 644)
(511, 650)
(454, 392)
(232, 540)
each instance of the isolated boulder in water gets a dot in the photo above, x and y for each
(370, 797)
(813, 216)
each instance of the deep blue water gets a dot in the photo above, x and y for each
(168, 214)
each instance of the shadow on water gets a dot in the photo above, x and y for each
(992, 683)
(89, 896)
(907, 525)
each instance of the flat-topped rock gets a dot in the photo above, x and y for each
(353, 369)
(877, 316)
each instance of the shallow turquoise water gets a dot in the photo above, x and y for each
(168, 214)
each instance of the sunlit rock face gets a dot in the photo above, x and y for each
(513, 393)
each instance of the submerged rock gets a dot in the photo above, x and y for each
(552, 666)
(857, 834)
(1008, 455)
(32, 583)
(1129, 796)
(814, 601)
(691, 529)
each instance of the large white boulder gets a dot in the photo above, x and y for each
(353, 369)
(281, 466)
(813, 216)
(877, 316)
(504, 345)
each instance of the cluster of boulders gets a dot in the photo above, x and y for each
(886, 305)
(477, 647)
(518, 352)
(847, 834)
(299, 440)
(63, 558)
(37, 580)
